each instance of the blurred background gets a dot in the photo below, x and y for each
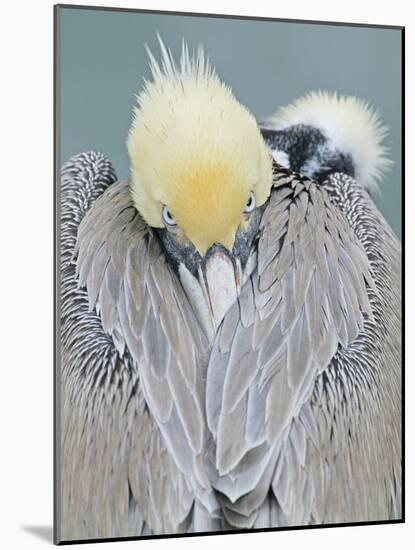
(267, 63)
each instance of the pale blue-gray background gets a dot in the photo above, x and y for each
(267, 63)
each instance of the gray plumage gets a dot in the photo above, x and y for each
(291, 416)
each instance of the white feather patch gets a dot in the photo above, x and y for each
(281, 158)
(350, 124)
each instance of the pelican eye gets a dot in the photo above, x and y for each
(167, 217)
(250, 205)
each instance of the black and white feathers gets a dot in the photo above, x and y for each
(322, 133)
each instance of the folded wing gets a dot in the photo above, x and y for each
(307, 297)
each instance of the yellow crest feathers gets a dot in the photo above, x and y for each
(195, 149)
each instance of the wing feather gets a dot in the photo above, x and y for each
(141, 303)
(307, 296)
(136, 488)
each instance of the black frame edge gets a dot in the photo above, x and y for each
(403, 176)
(227, 16)
(233, 532)
(56, 276)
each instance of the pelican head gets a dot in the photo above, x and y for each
(200, 171)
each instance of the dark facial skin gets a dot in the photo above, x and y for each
(187, 254)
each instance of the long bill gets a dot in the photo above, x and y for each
(220, 280)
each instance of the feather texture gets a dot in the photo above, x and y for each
(319, 302)
(122, 470)
(291, 418)
(132, 279)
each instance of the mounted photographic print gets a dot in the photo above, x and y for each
(228, 288)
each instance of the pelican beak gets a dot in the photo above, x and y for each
(220, 279)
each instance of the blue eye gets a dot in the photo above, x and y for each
(250, 205)
(167, 217)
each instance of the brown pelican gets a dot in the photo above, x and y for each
(230, 333)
